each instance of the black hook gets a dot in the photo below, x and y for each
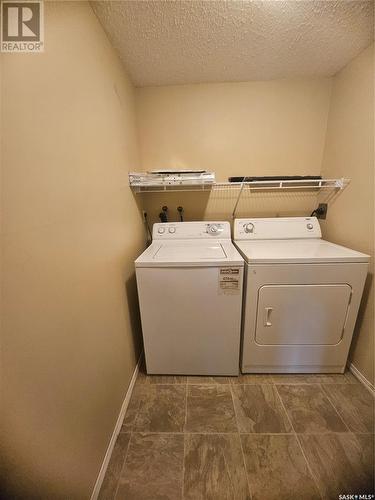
(180, 210)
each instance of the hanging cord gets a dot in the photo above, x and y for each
(180, 210)
(320, 212)
(148, 230)
(163, 216)
(165, 210)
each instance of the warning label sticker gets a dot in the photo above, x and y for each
(229, 280)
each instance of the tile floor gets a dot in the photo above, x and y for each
(259, 437)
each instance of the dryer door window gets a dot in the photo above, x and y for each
(302, 314)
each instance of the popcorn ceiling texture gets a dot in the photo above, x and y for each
(178, 42)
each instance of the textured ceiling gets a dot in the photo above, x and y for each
(176, 42)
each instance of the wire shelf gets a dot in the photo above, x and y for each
(235, 190)
(287, 184)
(253, 185)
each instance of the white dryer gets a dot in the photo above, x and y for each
(190, 282)
(301, 296)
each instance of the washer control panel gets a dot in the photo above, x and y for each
(277, 228)
(191, 230)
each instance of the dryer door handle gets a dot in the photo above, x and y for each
(267, 314)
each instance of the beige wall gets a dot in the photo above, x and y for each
(349, 152)
(251, 128)
(71, 230)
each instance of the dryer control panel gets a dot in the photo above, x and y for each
(191, 230)
(277, 228)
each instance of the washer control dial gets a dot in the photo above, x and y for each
(309, 226)
(249, 228)
(172, 230)
(161, 230)
(213, 229)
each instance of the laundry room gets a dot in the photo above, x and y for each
(187, 249)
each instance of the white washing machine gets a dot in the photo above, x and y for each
(301, 296)
(190, 282)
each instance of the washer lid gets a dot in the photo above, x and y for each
(190, 253)
(297, 251)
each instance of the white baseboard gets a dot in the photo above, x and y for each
(116, 431)
(358, 375)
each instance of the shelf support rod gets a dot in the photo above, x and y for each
(238, 200)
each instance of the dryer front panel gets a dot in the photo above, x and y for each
(300, 317)
(301, 314)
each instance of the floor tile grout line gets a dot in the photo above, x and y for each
(183, 467)
(123, 465)
(325, 394)
(312, 383)
(334, 407)
(300, 445)
(186, 407)
(233, 380)
(285, 410)
(336, 433)
(136, 414)
(341, 417)
(227, 469)
(130, 438)
(240, 440)
(346, 380)
(309, 466)
(245, 467)
(138, 411)
(184, 436)
(235, 384)
(234, 410)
